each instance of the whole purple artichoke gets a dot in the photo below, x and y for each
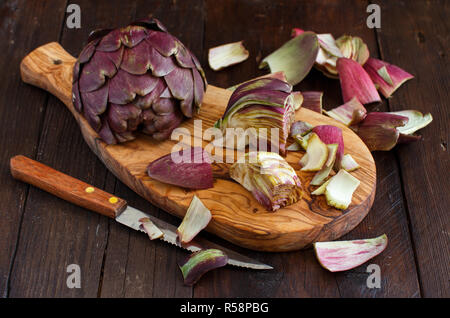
(138, 77)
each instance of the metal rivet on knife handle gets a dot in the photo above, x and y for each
(113, 200)
(66, 187)
(89, 189)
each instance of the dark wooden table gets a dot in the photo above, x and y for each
(40, 235)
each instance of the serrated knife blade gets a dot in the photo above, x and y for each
(131, 216)
(102, 202)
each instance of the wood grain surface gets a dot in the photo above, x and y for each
(40, 235)
(237, 216)
(425, 166)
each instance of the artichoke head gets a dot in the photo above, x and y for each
(136, 78)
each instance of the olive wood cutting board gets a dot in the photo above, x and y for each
(237, 216)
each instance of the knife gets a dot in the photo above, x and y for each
(97, 200)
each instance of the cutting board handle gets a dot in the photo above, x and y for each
(66, 187)
(50, 67)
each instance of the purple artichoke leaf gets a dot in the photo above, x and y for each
(87, 52)
(378, 130)
(147, 116)
(93, 74)
(183, 57)
(159, 64)
(198, 263)
(130, 110)
(166, 93)
(76, 72)
(300, 128)
(120, 91)
(133, 123)
(266, 98)
(337, 256)
(312, 100)
(330, 134)
(149, 128)
(186, 105)
(164, 121)
(118, 115)
(180, 83)
(90, 79)
(378, 138)
(384, 119)
(406, 139)
(198, 88)
(350, 113)
(265, 83)
(142, 85)
(106, 134)
(76, 98)
(132, 35)
(116, 57)
(136, 60)
(146, 101)
(98, 34)
(185, 171)
(164, 106)
(199, 69)
(162, 135)
(256, 85)
(124, 137)
(196, 61)
(125, 86)
(355, 82)
(110, 42)
(163, 42)
(150, 23)
(96, 101)
(117, 122)
(92, 119)
(387, 77)
(108, 62)
(272, 84)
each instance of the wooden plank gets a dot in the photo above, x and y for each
(137, 267)
(288, 280)
(56, 233)
(414, 36)
(291, 228)
(134, 266)
(22, 28)
(265, 26)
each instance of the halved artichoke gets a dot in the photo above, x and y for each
(271, 180)
(138, 77)
(265, 109)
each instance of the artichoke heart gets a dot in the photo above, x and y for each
(271, 180)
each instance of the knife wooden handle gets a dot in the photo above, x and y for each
(66, 187)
